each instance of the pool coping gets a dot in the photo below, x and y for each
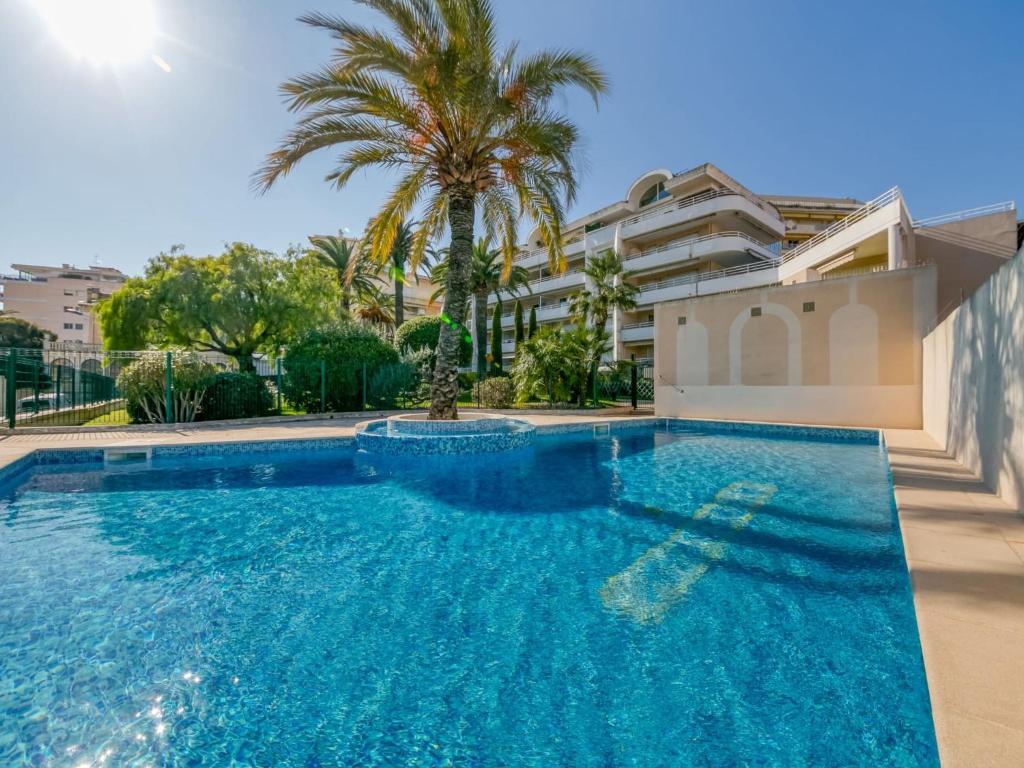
(952, 527)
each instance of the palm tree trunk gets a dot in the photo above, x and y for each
(480, 331)
(444, 390)
(399, 299)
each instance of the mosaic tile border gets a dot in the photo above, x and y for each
(791, 431)
(377, 439)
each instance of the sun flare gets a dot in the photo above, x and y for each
(102, 31)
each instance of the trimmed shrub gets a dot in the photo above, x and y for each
(142, 383)
(497, 392)
(422, 333)
(231, 395)
(391, 383)
(344, 349)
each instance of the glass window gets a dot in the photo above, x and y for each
(653, 194)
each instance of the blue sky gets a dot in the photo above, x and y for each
(787, 96)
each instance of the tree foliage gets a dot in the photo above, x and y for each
(243, 301)
(21, 334)
(422, 332)
(467, 123)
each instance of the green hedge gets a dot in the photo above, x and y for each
(422, 333)
(231, 395)
(344, 350)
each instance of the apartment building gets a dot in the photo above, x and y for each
(59, 299)
(701, 232)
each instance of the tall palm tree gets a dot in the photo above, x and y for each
(338, 254)
(610, 291)
(375, 308)
(469, 124)
(398, 259)
(487, 275)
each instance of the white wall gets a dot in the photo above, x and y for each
(973, 398)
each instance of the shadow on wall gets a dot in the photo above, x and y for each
(983, 344)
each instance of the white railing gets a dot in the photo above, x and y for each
(970, 213)
(696, 239)
(549, 278)
(842, 225)
(658, 210)
(630, 326)
(701, 277)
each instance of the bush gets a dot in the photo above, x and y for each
(231, 395)
(391, 383)
(497, 392)
(143, 382)
(344, 349)
(422, 333)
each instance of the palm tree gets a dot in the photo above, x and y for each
(338, 254)
(375, 308)
(468, 123)
(398, 258)
(487, 275)
(610, 291)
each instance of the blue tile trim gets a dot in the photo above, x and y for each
(251, 446)
(791, 431)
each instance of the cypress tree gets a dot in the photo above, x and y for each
(520, 333)
(496, 337)
(533, 322)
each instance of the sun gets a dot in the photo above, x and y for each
(102, 31)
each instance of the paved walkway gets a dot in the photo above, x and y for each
(965, 552)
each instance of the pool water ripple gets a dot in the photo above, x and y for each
(327, 609)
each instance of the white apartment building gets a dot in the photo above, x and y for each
(59, 299)
(701, 232)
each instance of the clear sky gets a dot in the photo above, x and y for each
(829, 98)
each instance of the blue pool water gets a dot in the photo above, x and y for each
(648, 598)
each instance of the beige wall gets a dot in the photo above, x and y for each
(974, 382)
(53, 304)
(966, 253)
(854, 359)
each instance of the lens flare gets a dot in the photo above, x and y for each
(102, 31)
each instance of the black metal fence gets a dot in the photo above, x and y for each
(44, 387)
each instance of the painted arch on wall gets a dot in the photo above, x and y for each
(790, 339)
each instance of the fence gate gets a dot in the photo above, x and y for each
(644, 387)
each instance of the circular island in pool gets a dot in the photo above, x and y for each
(415, 434)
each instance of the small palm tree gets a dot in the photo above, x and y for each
(375, 308)
(487, 275)
(610, 291)
(470, 125)
(338, 254)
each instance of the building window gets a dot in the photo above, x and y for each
(653, 194)
(68, 292)
(78, 326)
(808, 306)
(681, 320)
(755, 311)
(68, 326)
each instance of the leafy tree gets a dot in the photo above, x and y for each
(486, 277)
(233, 395)
(517, 314)
(398, 261)
(338, 254)
(532, 331)
(344, 349)
(21, 334)
(556, 364)
(422, 333)
(496, 338)
(241, 302)
(469, 124)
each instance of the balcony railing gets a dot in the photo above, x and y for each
(970, 213)
(842, 225)
(659, 210)
(697, 239)
(700, 277)
(630, 326)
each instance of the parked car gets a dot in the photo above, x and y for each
(46, 402)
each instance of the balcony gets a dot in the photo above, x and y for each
(636, 332)
(545, 314)
(704, 283)
(564, 281)
(670, 214)
(679, 252)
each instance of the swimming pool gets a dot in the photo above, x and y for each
(650, 597)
